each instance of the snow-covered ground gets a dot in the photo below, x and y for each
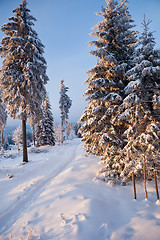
(55, 196)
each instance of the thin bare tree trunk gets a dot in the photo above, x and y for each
(2, 136)
(34, 142)
(25, 155)
(33, 135)
(144, 170)
(18, 148)
(62, 131)
(155, 179)
(134, 186)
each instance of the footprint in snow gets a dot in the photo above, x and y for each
(105, 229)
(36, 214)
(80, 217)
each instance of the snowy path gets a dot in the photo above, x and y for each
(55, 197)
(9, 217)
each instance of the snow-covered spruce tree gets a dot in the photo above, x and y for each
(140, 111)
(17, 136)
(44, 128)
(64, 104)
(23, 71)
(114, 46)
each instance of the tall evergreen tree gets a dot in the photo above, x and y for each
(114, 46)
(44, 128)
(23, 71)
(64, 104)
(140, 110)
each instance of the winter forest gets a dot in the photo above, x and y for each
(107, 164)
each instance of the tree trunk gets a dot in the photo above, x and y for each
(62, 131)
(134, 186)
(144, 170)
(25, 156)
(2, 136)
(155, 179)
(33, 135)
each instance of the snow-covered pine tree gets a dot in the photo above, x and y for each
(17, 136)
(114, 46)
(44, 128)
(64, 104)
(23, 71)
(140, 111)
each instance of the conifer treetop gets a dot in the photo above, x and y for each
(23, 71)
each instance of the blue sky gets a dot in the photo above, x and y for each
(63, 27)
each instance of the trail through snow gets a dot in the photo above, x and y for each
(24, 200)
(56, 197)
